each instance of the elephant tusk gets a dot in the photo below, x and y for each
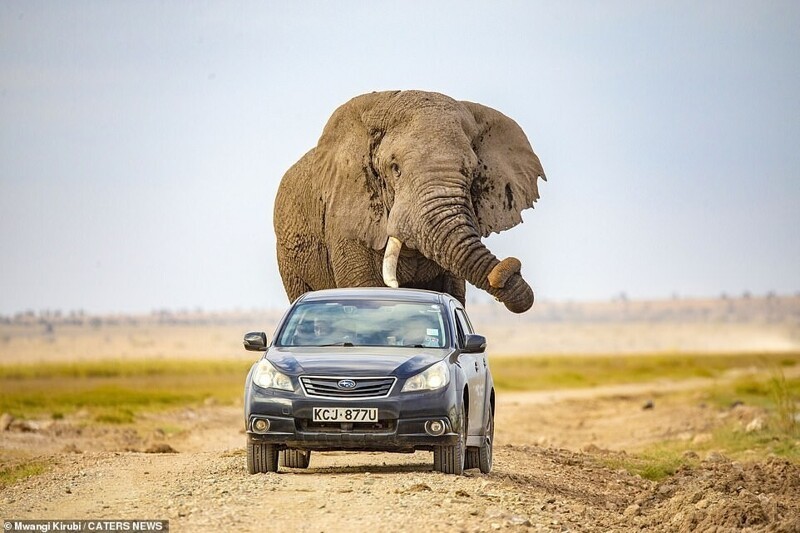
(390, 258)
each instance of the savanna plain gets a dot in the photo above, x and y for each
(673, 415)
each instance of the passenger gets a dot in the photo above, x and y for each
(419, 333)
(329, 330)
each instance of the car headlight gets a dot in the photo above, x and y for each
(435, 377)
(267, 376)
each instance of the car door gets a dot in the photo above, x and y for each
(475, 369)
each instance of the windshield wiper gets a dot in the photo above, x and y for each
(345, 343)
(413, 346)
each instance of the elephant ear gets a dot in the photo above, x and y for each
(505, 180)
(355, 196)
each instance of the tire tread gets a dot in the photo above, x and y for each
(485, 456)
(292, 458)
(451, 459)
(261, 458)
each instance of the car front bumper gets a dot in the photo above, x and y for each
(401, 421)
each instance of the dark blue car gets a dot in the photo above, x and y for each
(373, 369)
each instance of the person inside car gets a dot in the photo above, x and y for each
(419, 333)
(304, 334)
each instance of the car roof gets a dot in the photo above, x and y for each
(376, 293)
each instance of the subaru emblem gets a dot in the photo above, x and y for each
(346, 384)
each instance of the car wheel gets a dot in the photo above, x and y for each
(437, 460)
(261, 458)
(450, 459)
(295, 458)
(485, 451)
(471, 460)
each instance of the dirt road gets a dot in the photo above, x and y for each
(549, 475)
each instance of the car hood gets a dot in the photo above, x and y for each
(354, 361)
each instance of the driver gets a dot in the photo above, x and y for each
(329, 330)
(322, 329)
(304, 334)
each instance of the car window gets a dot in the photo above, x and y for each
(459, 334)
(464, 320)
(364, 323)
(463, 325)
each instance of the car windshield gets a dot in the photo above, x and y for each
(365, 323)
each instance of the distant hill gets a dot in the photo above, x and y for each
(744, 324)
(747, 309)
(768, 309)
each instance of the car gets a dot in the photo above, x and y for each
(370, 369)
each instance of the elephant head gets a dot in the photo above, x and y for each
(434, 175)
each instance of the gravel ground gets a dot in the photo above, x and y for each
(542, 480)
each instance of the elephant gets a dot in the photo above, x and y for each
(399, 191)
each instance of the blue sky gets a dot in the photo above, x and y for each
(141, 143)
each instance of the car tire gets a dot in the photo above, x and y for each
(451, 459)
(471, 460)
(485, 450)
(295, 458)
(261, 458)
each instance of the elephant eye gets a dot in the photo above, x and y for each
(396, 170)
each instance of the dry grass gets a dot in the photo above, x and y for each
(69, 343)
(115, 391)
(577, 371)
(769, 392)
(19, 471)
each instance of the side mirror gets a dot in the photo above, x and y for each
(474, 343)
(255, 341)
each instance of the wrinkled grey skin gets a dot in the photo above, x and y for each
(433, 172)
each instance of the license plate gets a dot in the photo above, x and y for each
(345, 414)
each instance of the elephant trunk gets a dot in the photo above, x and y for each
(463, 253)
(447, 233)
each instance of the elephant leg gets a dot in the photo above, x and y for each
(355, 265)
(454, 286)
(303, 264)
(444, 282)
(295, 286)
(293, 281)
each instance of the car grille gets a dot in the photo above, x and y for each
(381, 426)
(364, 387)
